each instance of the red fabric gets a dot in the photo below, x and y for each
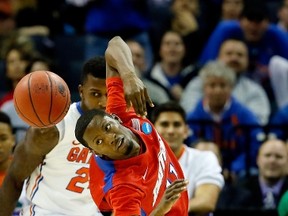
(6, 97)
(138, 183)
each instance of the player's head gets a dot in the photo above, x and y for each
(104, 134)
(7, 139)
(169, 120)
(92, 88)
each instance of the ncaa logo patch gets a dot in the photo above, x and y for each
(146, 128)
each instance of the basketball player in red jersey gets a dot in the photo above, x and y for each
(133, 165)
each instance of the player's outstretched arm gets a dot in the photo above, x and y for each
(119, 63)
(28, 155)
(171, 195)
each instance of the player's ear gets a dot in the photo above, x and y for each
(116, 118)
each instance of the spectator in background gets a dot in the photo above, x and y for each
(261, 192)
(7, 142)
(19, 126)
(278, 72)
(234, 54)
(231, 9)
(126, 18)
(40, 62)
(263, 39)
(222, 119)
(17, 59)
(183, 17)
(283, 16)
(7, 23)
(170, 71)
(230, 196)
(200, 168)
(271, 182)
(157, 92)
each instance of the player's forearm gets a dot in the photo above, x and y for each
(9, 195)
(119, 57)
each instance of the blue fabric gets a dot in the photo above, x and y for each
(280, 118)
(109, 170)
(115, 15)
(235, 145)
(274, 42)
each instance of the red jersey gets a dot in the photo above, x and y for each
(135, 185)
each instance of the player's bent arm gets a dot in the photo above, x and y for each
(205, 198)
(28, 154)
(119, 63)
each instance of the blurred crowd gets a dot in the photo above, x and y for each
(224, 62)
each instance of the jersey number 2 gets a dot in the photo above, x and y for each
(81, 178)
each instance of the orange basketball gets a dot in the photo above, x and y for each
(41, 99)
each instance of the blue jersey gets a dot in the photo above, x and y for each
(237, 133)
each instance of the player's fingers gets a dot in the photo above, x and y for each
(148, 99)
(128, 102)
(140, 103)
(143, 104)
(174, 197)
(135, 105)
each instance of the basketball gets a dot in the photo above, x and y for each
(41, 99)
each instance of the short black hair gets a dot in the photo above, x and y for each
(170, 106)
(255, 10)
(4, 118)
(83, 122)
(96, 66)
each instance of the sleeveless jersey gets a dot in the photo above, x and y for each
(135, 185)
(60, 184)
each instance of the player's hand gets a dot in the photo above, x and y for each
(171, 195)
(136, 94)
(43, 138)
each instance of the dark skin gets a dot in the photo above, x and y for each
(39, 142)
(107, 137)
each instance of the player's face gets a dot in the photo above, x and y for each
(217, 91)
(171, 126)
(107, 137)
(6, 142)
(272, 159)
(93, 93)
(235, 55)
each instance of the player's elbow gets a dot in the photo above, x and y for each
(115, 40)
